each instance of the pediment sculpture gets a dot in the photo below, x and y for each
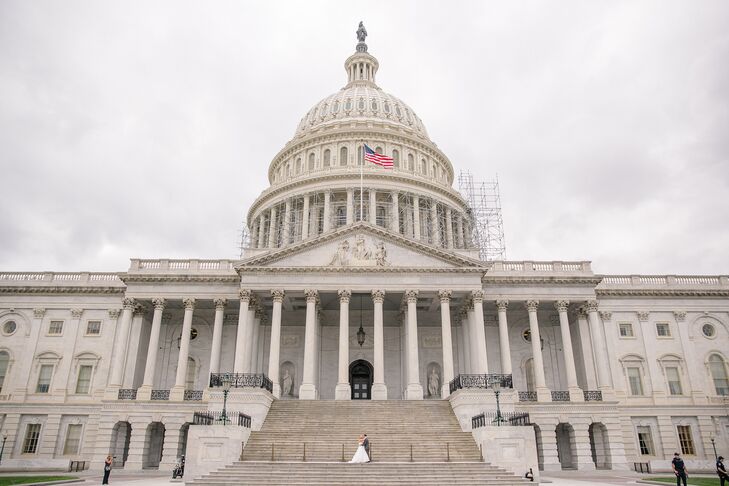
(360, 254)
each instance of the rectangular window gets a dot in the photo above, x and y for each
(645, 441)
(44, 378)
(93, 328)
(83, 384)
(73, 439)
(684, 438)
(636, 384)
(674, 381)
(55, 328)
(626, 329)
(663, 329)
(30, 443)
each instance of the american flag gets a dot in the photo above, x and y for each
(379, 159)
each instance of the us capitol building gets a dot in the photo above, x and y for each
(363, 283)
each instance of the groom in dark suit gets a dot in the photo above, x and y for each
(366, 444)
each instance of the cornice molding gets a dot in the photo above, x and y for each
(137, 278)
(662, 293)
(540, 279)
(27, 289)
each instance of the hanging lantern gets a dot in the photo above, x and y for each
(360, 335)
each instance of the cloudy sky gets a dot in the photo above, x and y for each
(145, 129)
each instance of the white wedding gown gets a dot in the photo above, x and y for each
(360, 456)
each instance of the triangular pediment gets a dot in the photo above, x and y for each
(361, 246)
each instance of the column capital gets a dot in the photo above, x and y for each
(38, 313)
(158, 303)
(411, 296)
(245, 295)
(591, 305)
(220, 304)
(562, 305)
(477, 296)
(139, 309)
(581, 311)
(445, 295)
(311, 295)
(128, 303)
(344, 295)
(189, 303)
(502, 305)
(113, 313)
(532, 305)
(278, 295)
(76, 313)
(378, 296)
(254, 301)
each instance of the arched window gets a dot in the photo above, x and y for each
(327, 157)
(378, 150)
(298, 166)
(717, 367)
(396, 158)
(423, 167)
(311, 161)
(343, 156)
(4, 363)
(191, 374)
(411, 162)
(434, 173)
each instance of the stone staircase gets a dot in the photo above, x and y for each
(309, 442)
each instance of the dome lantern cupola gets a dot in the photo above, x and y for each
(361, 67)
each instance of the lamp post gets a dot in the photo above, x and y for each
(496, 387)
(2, 449)
(713, 445)
(226, 388)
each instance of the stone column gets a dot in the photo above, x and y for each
(305, 219)
(343, 391)
(254, 233)
(307, 390)
(327, 211)
(415, 389)
(217, 335)
(286, 223)
(586, 345)
(350, 206)
(464, 332)
(483, 363)
(272, 229)
(449, 228)
(145, 391)
(177, 392)
(416, 217)
(472, 337)
(248, 337)
(575, 391)
(373, 207)
(395, 218)
(117, 367)
(459, 230)
(273, 355)
(261, 232)
(435, 232)
(543, 393)
(255, 343)
(504, 347)
(604, 382)
(445, 325)
(379, 389)
(240, 344)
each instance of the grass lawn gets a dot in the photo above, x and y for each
(8, 480)
(691, 481)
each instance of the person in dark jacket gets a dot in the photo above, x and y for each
(721, 471)
(107, 469)
(679, 469)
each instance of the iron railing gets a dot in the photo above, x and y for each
(560, 396)
(480, 381)
(193, 395)
(216, 418)
(127, 394)
(240, 380)
(527, 396)
(160, 395)
(504, 418)
(593, 395)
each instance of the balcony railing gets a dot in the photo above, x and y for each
(527, 396)
(127, 394)
(241, 380)
(479, 381)
(193, 395)
(560, 396)
(593, 395)
(160, 395)
(504, 418)
(216, 418)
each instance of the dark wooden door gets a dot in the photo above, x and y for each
(361, 381)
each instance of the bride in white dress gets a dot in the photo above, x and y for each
(361, 455)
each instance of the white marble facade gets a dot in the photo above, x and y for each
(626, 368)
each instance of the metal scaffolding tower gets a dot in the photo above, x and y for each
(485, 207)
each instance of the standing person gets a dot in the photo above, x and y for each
(721, 470)
(361, 455)
(679, 469)
(366, 444)
(107, 469)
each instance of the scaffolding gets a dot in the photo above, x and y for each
(487, 223)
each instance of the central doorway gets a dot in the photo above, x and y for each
(360, 379)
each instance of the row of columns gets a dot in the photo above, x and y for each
(260, 238)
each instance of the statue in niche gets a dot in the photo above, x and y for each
(286, 383)
(433, 383)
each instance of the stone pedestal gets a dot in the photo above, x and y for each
(379, 391)
(212, 447)
(414, 392)
(343, 392)
(513, 448)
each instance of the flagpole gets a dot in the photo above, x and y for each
(361, 191)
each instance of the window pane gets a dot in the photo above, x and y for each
(73, 438)
(645, 441)
(4, 360)
(626, 330)
(685, 439)
(84, 379)
(674, 381)
(55, 327)
(662, 329)
(30, 443)
(44, 378)
(636, 385)
(93, 327)
(717, 368)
